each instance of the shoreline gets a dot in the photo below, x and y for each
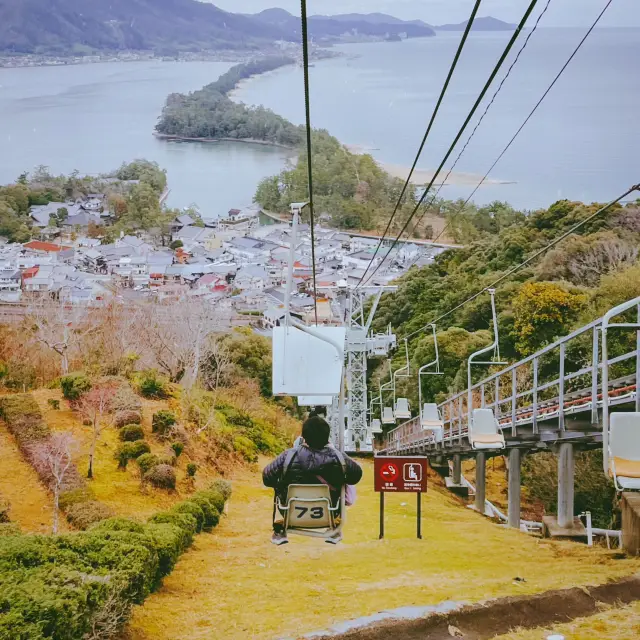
(263, 143)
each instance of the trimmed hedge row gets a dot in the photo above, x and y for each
(63, 587)
(24, 420)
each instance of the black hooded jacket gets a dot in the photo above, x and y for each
(305, 467)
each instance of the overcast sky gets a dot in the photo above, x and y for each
(562, 13)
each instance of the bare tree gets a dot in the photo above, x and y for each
(57, 326)
(93, 406)
(112, 615)
(218, 362)
(52, 459)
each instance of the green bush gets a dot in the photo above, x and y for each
(147, 461)
(162, 422)
(184, 521)
(131, 433)
(246, 448)
(74, 385)
(151, 384)
(222, 486)
(211, 514)
(54, 404)
(178, 448)
(169, 541)
(123, 418)
(130, 451)
(215, 497)
(9, 529)
(193, 509)
(162, 476)
(24, 419)
(118, 524)
(83, 514)
(192, 468)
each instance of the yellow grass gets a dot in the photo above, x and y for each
(31, 505)
(611, 624)
(235, 584)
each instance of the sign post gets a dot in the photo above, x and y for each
(401, 474)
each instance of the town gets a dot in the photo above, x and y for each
(238, 262)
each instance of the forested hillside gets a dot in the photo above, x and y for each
(209, 113)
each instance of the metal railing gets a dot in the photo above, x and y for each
(522, 396)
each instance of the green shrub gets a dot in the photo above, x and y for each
(74, 385)
(118, 524)
(211, 514)
(194, 509)
(131, 433)
(24, 419)
(169, 541)
(184, 521)
(222, 486)
(130, 451)
(83, 514)
(215, 497)
(246, 448)
(162, 476)
(162, 422)
(192, 468)
(9, 529)
(123, 418)
(178, 448)
(147, 461)
(54, 404)
(74, 496)
(150, 384)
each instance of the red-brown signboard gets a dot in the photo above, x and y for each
(400, 474)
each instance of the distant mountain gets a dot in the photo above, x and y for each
(323, 28)
(64, 26)
(479, 24)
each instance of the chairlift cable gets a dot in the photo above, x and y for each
(468, 119)
(513, 270)
(445, 87)
(307, 100)
(522, 126)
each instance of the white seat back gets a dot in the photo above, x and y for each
(430, 415)
(483, 422)
(376, 426)
(387, 416)
(309, 507)
(402, 410)
(624, 441)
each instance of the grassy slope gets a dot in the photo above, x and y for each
(235, 584)
(31, 506)
(117, 489)
(611, 624)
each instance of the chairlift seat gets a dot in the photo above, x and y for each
(401, 409)
(315, 401)
(308, 511)
(624, 451)
(430, 420)
(376, 426)
(484, 431)
(387, 416)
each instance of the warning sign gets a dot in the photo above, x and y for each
(400, 474)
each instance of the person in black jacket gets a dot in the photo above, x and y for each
(315, 458)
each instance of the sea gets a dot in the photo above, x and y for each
(582, 143)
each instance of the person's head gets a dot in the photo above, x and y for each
(316, 432)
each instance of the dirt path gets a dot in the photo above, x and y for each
(31, 506)
(235, 584)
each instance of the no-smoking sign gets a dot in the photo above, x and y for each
(400, 474)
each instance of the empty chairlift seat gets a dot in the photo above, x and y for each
(387, 416)
(484, 430)
(401, 410)
(308, 511)
(430, 420)
(624, 451)
(376, 426)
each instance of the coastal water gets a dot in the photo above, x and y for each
(582, 144)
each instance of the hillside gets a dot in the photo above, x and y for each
(480, 24)
(83, 26)
(332, 28)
